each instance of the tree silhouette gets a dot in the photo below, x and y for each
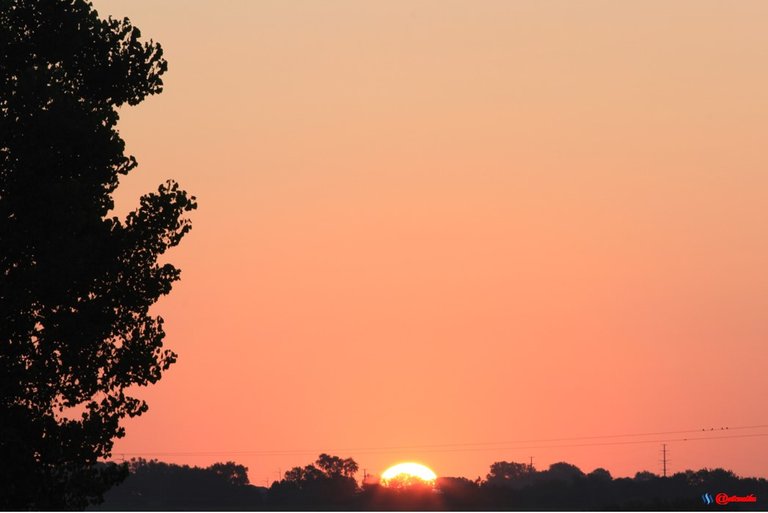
(600, 475)
(302, 476)
(563, 471)
(158, 486)
(509, 474)
(408, 481)
(75, 284)
(330, 481)
(334, 466)
(231, 471)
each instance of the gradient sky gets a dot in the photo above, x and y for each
(441, 222)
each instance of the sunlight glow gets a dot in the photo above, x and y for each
(408, 469)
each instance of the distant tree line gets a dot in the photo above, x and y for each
(329, 484)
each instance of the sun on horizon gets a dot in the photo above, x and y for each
(408, 472)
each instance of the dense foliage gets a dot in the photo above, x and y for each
(158, 486)
(76, 284)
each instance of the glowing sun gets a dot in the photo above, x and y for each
(408, 472)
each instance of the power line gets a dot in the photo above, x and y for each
(482, 446)
(429, 446)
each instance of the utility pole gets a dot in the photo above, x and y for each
(664, 459)
(531, 463)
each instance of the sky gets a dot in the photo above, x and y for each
(459, 232)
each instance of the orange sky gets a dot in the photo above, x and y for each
(428, 223)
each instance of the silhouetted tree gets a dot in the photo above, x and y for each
(75, 284)
(509, 474)
(301, 476)
(408, 481)
(403, 492)
(158, 486)
(645, 475)
(461, 493)
(600, 474)
(334, 466)
(328, 484)
(231, 471)
(562, 471)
